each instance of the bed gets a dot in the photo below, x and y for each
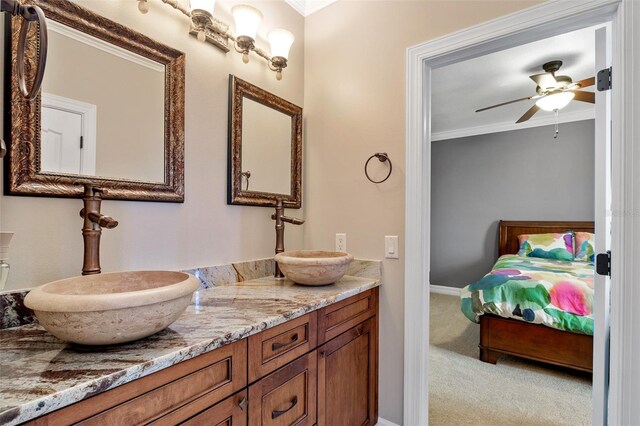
(566, 339)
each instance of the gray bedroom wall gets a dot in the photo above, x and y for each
(517, 175)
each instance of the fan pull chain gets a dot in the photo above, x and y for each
(555, 136)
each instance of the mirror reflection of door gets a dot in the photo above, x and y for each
(68, 136)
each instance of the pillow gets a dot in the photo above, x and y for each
(585, 243)
(547, 246)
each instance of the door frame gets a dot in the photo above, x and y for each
(544, 20)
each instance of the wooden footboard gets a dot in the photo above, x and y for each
(500, 336)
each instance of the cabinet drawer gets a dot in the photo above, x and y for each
(230, 412)
(223, 374)
(286, 396)
(280, 345)
(340, 317)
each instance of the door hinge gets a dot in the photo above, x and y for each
(81, 142)
(603, 263)
(604, 80)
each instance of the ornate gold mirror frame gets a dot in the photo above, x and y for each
(238, 90)
(23, 124)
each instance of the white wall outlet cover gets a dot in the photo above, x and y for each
(391, 247)
(341, 242)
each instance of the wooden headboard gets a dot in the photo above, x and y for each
(509, 231)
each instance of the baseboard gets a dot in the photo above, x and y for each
(383, 422)
(442, 289)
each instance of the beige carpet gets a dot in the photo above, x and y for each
(464, 391)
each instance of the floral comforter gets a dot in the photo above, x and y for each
(554, 293)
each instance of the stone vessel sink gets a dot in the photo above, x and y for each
(106, 309)
(313, 267)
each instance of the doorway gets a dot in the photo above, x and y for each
(532, 24)
(490, 166)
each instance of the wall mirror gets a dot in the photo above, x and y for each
(265, 147)
(110, 111)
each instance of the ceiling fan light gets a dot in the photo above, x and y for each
(555, 101)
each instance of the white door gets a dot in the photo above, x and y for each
(61, 141)
(602, 231)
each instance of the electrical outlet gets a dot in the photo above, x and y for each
(341, 242)
(391, 247)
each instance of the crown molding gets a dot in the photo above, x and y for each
(103, 45)
(307, 7)
(507, 126)
(298, 6)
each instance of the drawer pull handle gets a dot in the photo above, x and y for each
(243, 403)
(277, 413)
(278, 345)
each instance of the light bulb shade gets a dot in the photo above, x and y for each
(555, 101)
(206, 5)
(247, 20)
(280, 41)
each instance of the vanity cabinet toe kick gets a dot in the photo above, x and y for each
(318, 369)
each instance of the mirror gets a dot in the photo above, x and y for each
(110, 111)
(265, 147)
(86, 129)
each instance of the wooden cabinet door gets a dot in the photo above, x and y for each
(348, 378)
(287, 396)
(230, 412)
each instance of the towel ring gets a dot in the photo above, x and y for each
(31, 14)
(382, 157)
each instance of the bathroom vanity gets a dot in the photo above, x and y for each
(258, 352)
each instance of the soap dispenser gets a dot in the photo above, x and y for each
(5, 238)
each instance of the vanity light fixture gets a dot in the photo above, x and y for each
(247, 19)
(280, 41)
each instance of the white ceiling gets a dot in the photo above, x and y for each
(460, 89)
(307, 7)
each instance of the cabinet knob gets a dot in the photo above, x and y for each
(243, 403)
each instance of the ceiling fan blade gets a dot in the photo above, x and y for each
(586, 82)
(527, 115)
(504, 103)
(584, 96)
(545, 81)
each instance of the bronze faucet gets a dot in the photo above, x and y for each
(92, 228)
(280, 218)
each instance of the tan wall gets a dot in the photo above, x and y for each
(354, 107)
(203, 230)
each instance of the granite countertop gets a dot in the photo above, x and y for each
(40, 374)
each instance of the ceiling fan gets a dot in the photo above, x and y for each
(553, 92)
